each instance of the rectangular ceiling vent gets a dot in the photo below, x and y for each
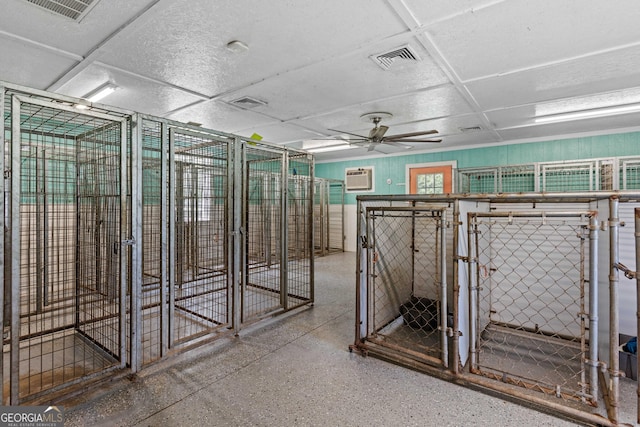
(470, 129)
(247, 102)
(72, 9)
(387, 59)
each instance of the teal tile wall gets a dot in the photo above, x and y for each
(624, 144)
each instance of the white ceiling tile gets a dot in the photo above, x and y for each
(222, 117)
(435, 10)
(29, 65)
(601, 73)
(345, 81)
(519, 34)
(37, 24)
(192, 36)
(133, 94)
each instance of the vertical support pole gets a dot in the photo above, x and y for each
(3, 227)
(637, 236)
(229, 233)
(456, 287)
(124, 229)
(342, 235)
(38, 236)
(473, 294)
(324, 217)
(137, 238)
(239, 186)
(284, 230)
(309, 237)
(172, 252)
(614, 317)
(593, 307)
(15, 251)
(164, 239)
(443, 289)
(45, 232)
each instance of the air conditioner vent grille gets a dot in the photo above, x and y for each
(387, 59)
(247, 102)
(73, 9)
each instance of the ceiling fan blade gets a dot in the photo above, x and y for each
(349, 133)
(386, 141)
(409, 135)
(378, 132)
(398, 144)
(372, 146)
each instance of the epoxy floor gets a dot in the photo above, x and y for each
(294, 371)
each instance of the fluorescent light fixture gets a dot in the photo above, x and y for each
(331, 148)
(101, 92)
(587, 114)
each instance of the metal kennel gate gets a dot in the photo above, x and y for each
(406, 275)
(68, 222)
(530, 303)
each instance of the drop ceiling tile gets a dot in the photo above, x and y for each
(221, 117)
(600, 73)
(519, 34)
(133, 94)
(345, 81)
(435, 10)
(31, 66)
(34, 23)
(192, 34)
(414, 107)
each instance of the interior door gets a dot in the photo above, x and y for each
(430, 180)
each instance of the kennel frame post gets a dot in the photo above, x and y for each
(4, 232)
(443, 290)
(473, 292)
(239, 276)
(456, 289)
(171, 251)
(165, 183)
(136, 243)
(614, 316)
(593, 307)
(284, 231)
(14, 386)
(636, 217)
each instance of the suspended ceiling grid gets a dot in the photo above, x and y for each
(487, 65)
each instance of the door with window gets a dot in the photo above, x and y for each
(430, 180)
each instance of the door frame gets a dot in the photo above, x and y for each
(408, 167)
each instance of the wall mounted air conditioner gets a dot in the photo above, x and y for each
(359, 179)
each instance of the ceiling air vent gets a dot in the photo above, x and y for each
(387, 59)
(247, 102)
(470, 129)
(73, 9)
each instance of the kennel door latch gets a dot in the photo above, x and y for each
(128, 242)
(627, 272)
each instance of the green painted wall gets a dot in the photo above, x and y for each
(623, 144)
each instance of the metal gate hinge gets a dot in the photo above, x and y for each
(128, 242)
(7, 174)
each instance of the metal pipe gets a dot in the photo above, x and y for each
(310, 199)
(593, 307)
(456, 289)
(124, 237)
(3, 226)
(359, 273)
(443, 289)
(239, 252)
(614, 318)
(473, 303)
(637, 236)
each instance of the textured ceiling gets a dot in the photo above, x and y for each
(488, 64)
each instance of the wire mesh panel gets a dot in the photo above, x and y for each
(335, 235)
(630, 173)
(569, 176)
(200, 295)
(531, 303)
(69, 272)
(407, 297)
(264, 198)
(299, 230)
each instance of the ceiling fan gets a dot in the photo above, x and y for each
(377, 134)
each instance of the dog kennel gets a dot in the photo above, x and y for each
(517, 293)
(128, 237)
(329, 216)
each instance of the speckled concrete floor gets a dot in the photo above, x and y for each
(295, 371)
